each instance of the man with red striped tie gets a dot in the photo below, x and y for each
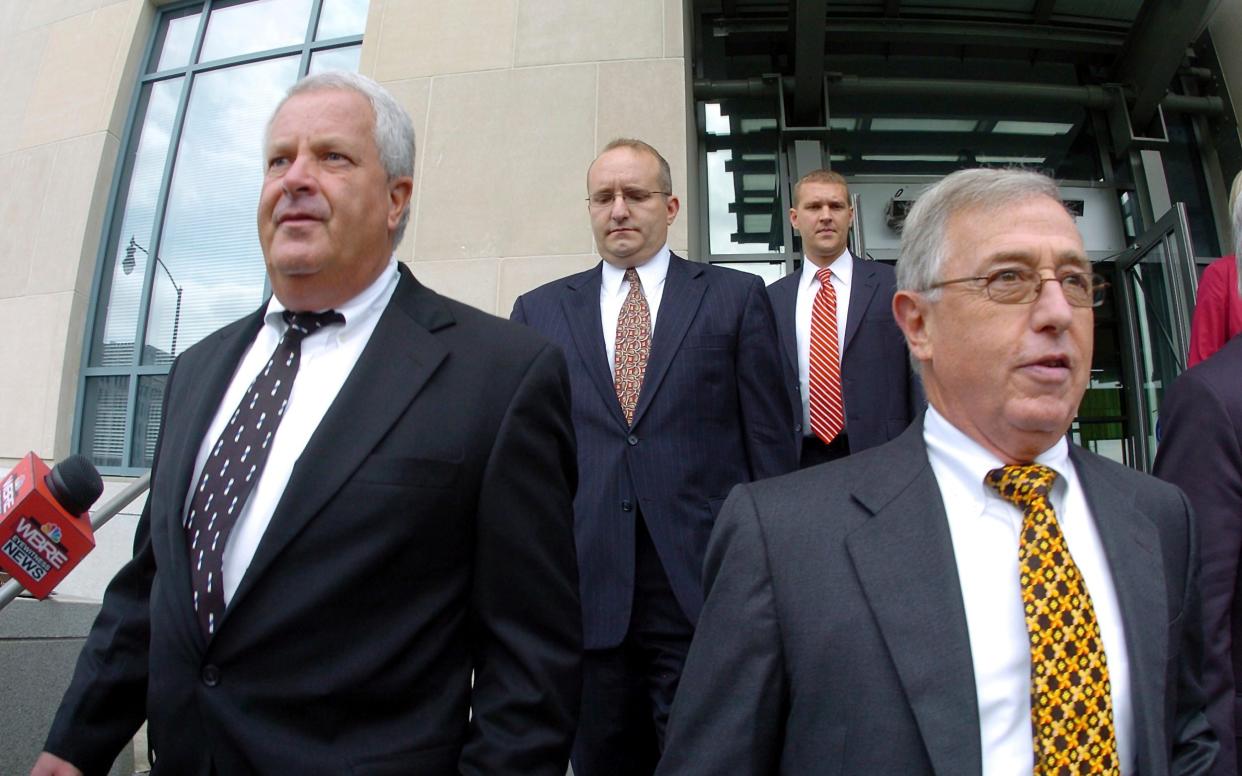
(846, 361)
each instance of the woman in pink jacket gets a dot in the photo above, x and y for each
(1218, 311)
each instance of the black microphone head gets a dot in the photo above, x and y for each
(75, 484)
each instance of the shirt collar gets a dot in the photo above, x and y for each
(651, 273)
(968, 462)
(842, 269)
(354, 310)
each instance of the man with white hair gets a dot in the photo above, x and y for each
(977, 596)
(357, 553)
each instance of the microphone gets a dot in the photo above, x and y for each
(44, 531)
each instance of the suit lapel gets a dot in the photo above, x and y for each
(904, 560)
(1132, 546)
(683, 291)
(862, 290)
(397, 362)
(784, 296)
(581, 306)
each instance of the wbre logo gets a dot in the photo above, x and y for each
(53, 531)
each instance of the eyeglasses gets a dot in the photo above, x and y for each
(602, 199)
(1020, 285)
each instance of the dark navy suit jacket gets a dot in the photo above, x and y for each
(1201, 452)
(881, 392)
(712, 413)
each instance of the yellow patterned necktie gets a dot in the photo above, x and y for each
(1071, 696)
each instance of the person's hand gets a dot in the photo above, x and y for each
(49, 764)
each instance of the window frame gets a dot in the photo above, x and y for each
(106, 255)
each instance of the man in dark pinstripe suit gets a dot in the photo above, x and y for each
(677, 397)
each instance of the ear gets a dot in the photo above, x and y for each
(793, 218)
(674, 207)
(912, 310)
(400, 190)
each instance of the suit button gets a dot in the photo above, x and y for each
(633, 440)
(798, 428)
(627, 506)
(211, 675)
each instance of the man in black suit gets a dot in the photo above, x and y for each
(677, 397)
(847, 366)
(977, 596)
(1201, 452)
(371, 571)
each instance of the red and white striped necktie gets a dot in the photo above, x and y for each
(827, 409)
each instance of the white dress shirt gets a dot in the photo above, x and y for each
(327, 358)
(985, 531)
(808, 287)
(613, 289)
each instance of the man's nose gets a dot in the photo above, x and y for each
(1051, 308)
(300, 177)
(619, 209)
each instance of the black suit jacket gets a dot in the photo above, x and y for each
(1201, 452)
(424, 536)
(882, 393)
(712, 412)
(834, 637)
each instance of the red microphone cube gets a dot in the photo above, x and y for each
(40, 542)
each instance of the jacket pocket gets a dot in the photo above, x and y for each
(408, 472)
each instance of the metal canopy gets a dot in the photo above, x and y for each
(1155, 49)
(878, 83)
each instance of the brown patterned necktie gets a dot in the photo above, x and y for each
(824, 368)
(633, 345)
(1071, 696)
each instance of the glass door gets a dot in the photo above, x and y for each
(1142, 338)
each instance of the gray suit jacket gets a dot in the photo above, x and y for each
(834, 638)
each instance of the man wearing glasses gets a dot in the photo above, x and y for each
(978, 596)
(677, 397)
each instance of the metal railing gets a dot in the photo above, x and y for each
(11, 589)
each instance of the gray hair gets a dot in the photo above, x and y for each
(1235, 214)
(924, 243)
(394, 132)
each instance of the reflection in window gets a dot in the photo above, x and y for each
(342, 17)
(336, 59)
(743, 201)
(182, 255)
(209, 251)
(116, 326)
(250, 27)
(103, 421)
(178, 41)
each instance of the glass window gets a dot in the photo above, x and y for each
(259, 25)
(743, 202)
(210, 270)
(182, 254)
(177, 40)
(116, 321)
(336, 59)
(342, 17)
